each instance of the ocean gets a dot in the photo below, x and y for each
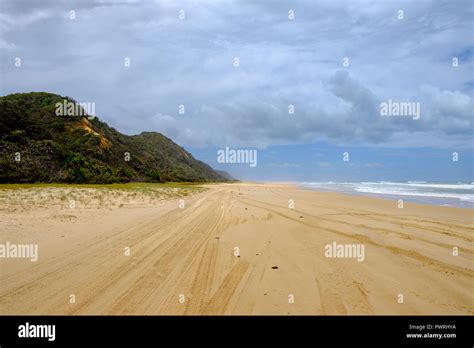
(434, 193)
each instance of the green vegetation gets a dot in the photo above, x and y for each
(74, 149)
(133, 186)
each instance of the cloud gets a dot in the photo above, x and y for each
(282, 62)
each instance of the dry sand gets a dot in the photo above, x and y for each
(184, 261)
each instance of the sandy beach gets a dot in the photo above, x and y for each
(234, 249)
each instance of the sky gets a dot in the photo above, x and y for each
(212, 74)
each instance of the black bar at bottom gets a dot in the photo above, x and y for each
(289, 330)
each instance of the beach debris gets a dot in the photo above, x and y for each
(275, 267)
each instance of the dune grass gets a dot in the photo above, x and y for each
(13, 196)
(136, 186)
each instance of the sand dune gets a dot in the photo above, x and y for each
(239, 249)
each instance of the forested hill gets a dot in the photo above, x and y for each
(37, 145)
